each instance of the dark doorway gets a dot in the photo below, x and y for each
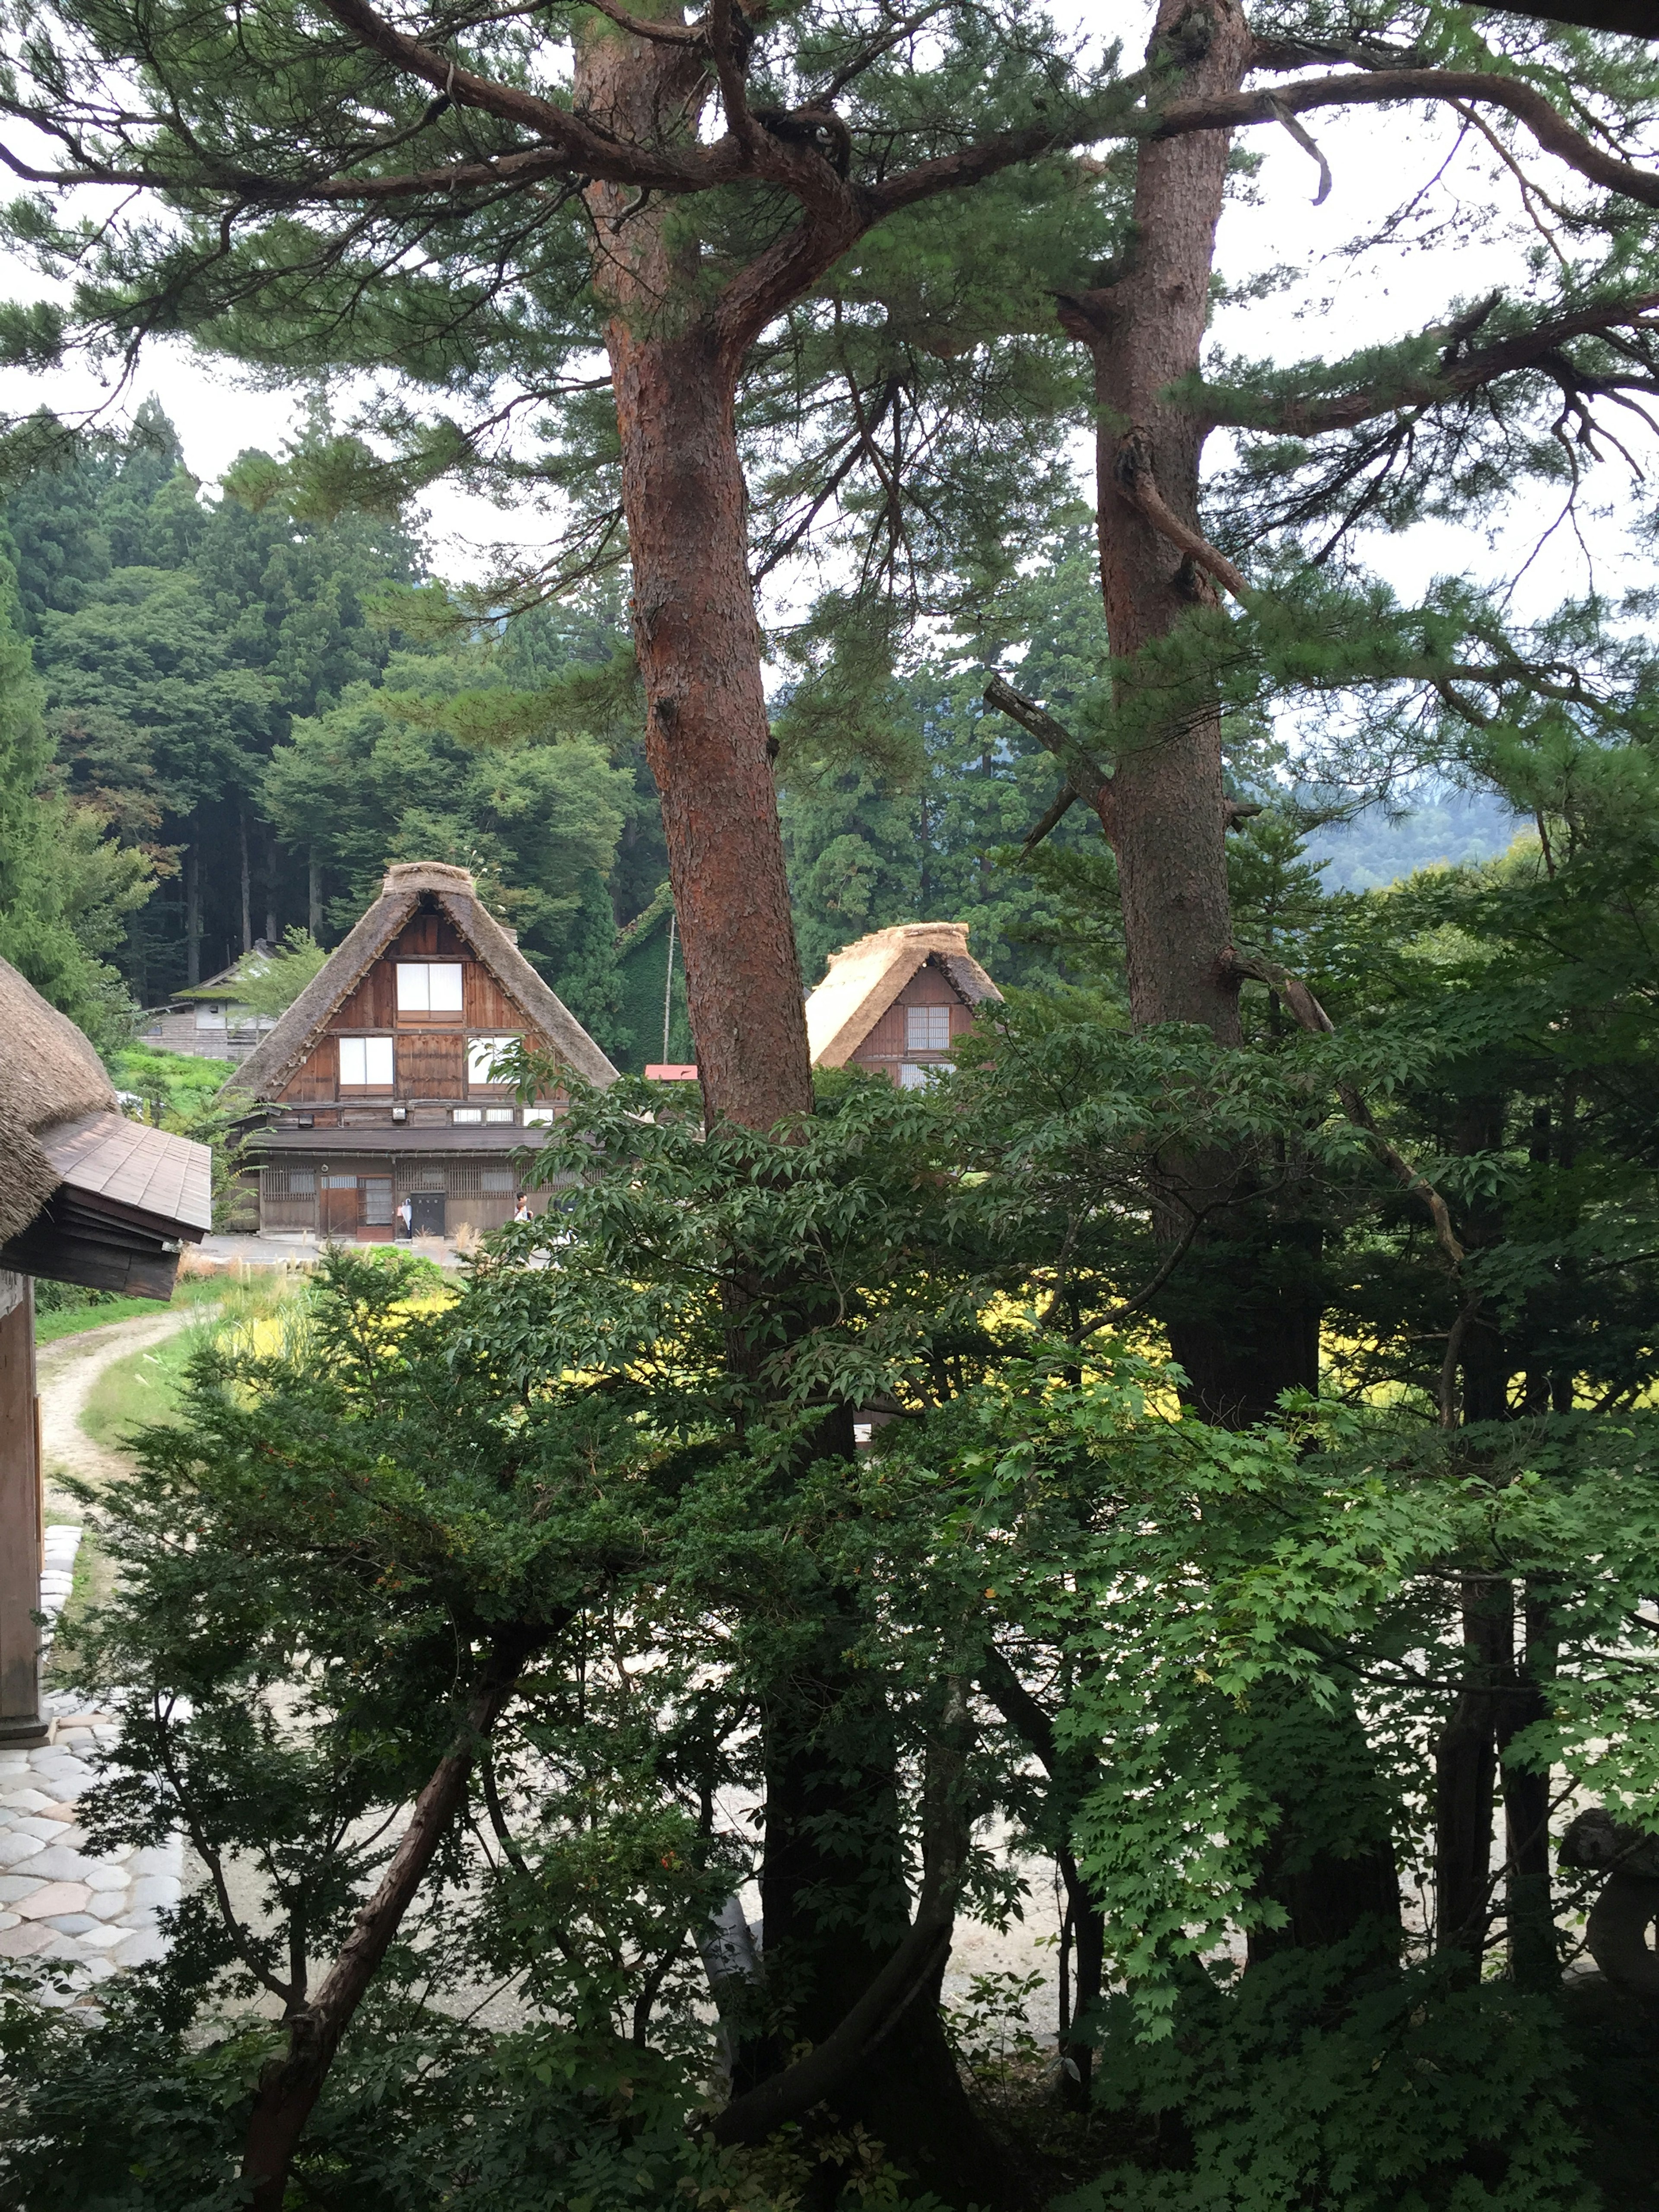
(426, 1213)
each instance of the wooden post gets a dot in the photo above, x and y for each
(20, 1517)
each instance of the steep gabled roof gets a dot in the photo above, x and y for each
(864, 979)
(264, 1072)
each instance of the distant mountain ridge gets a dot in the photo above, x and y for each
(1444, 827)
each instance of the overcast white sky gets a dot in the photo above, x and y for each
(1377, 159)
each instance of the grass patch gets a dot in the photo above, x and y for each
(258, 1292)
(49, 1327)
(143, 1388)
(70, 1321)
(137, 1391)
(170, 1082)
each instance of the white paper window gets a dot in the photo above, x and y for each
(536, 1116)
(365, 1061)
(429, 986)
(913, 1074)
(928, 1028)
(377, 1201)
(498, 1113)
(466, 1113)
(498, 1182)
(482, 1053)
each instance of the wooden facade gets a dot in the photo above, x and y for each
(383, 1116)
(903, 1047)
(898, 1002)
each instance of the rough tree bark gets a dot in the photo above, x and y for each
(1242, 1315)
(1144, 329)
(867, 2007)
(674, 371)
(675, 359)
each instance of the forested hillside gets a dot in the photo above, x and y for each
(246, 710)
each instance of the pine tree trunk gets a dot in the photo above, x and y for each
(1145, 330)
(1243, 1316)
(695, 626)
(698, 643)
(247, 882)
(834, 1853)
(314, 898)
(193, 911)
(707, 740)
(1243, 1313)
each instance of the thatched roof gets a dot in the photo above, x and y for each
(86, 1195)
(48, 1073)
(864, 979)
(265, 1070)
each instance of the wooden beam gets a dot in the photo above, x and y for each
(21, 1515)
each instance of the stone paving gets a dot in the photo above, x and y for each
(57, 1902)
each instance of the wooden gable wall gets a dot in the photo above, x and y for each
(429, 1050)
(929, 986)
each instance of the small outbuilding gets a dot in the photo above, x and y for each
(209, 1020)
(375, 1106)
(898, 1001)
(86, 1196)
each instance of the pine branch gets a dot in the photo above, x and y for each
(1234, 111)
(1083, 773)
(1313, 1018)
(1133, 474)
(1458, 375)
(663, 34)
(1056, 814)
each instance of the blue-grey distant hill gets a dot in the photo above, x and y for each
(1442, 826)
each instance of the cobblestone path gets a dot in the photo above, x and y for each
(58, 1902)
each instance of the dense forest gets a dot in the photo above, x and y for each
(1180, 1488)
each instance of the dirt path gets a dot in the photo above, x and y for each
(67, 1372)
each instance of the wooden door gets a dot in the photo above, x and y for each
(337, 1208)
(427, 1213)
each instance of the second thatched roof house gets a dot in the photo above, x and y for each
(897, 1001)
(383, 1115)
